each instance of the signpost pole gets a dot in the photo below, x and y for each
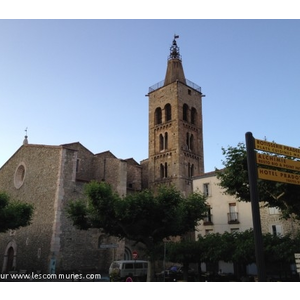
(252, 174)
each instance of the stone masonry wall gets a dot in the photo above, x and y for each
(289, 226)
(41, 169)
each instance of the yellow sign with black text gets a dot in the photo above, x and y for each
(277, 148)
(277, 162)
(275, 175)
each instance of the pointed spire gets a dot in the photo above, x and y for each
(174, 68)
(25, 142)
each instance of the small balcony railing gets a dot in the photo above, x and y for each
(208, 220)
(187, 82)
(233, 218)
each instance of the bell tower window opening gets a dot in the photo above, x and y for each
(163, 170)
(185, 112)
(191, 142)
(168, 112)
(161, 142)
(166, 141)
(166, 170)
(193, 116)
(190, 170)
(187, 141)
(158, 116)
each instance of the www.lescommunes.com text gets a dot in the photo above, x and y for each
(38, 276)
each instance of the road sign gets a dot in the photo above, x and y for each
(276, 175)
(277, 162)
(297, 261)
(134, 254)
(277, 148)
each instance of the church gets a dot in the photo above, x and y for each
(50, 176)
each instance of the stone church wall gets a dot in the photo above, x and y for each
(39, 186)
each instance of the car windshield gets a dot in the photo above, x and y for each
(115, 265)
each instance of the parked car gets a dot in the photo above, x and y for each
(135, 270)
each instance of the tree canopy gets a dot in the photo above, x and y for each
(147, 217)
(14, 214)
(234, 179)
(238, 248)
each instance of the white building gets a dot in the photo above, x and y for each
(226, 213)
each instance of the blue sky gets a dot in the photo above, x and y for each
(86, 80)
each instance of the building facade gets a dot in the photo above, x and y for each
(50, 177)
(227, 214)
(175, 129)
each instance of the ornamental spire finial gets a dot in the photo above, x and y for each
(174, 50)
(25, 142)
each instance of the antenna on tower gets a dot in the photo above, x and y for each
(25, 142)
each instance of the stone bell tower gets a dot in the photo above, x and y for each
(175, 128)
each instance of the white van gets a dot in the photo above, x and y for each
(135, 270)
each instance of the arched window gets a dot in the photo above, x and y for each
(161, 142)
(168, 112)
(187, 141)
(166, 170)
(192, 170)
(194, 116)
(185, 112)
(158, 116)
(10, 257)
(162, 171)
(191, 143)
(166, 140)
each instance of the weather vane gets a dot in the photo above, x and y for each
(174, 50)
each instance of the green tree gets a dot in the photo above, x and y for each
(234, 180)
(14, 214)
(144, 217)
(185, 252)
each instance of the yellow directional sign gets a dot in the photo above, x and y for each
(278, 162)
(275, 175)
(277, 148)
